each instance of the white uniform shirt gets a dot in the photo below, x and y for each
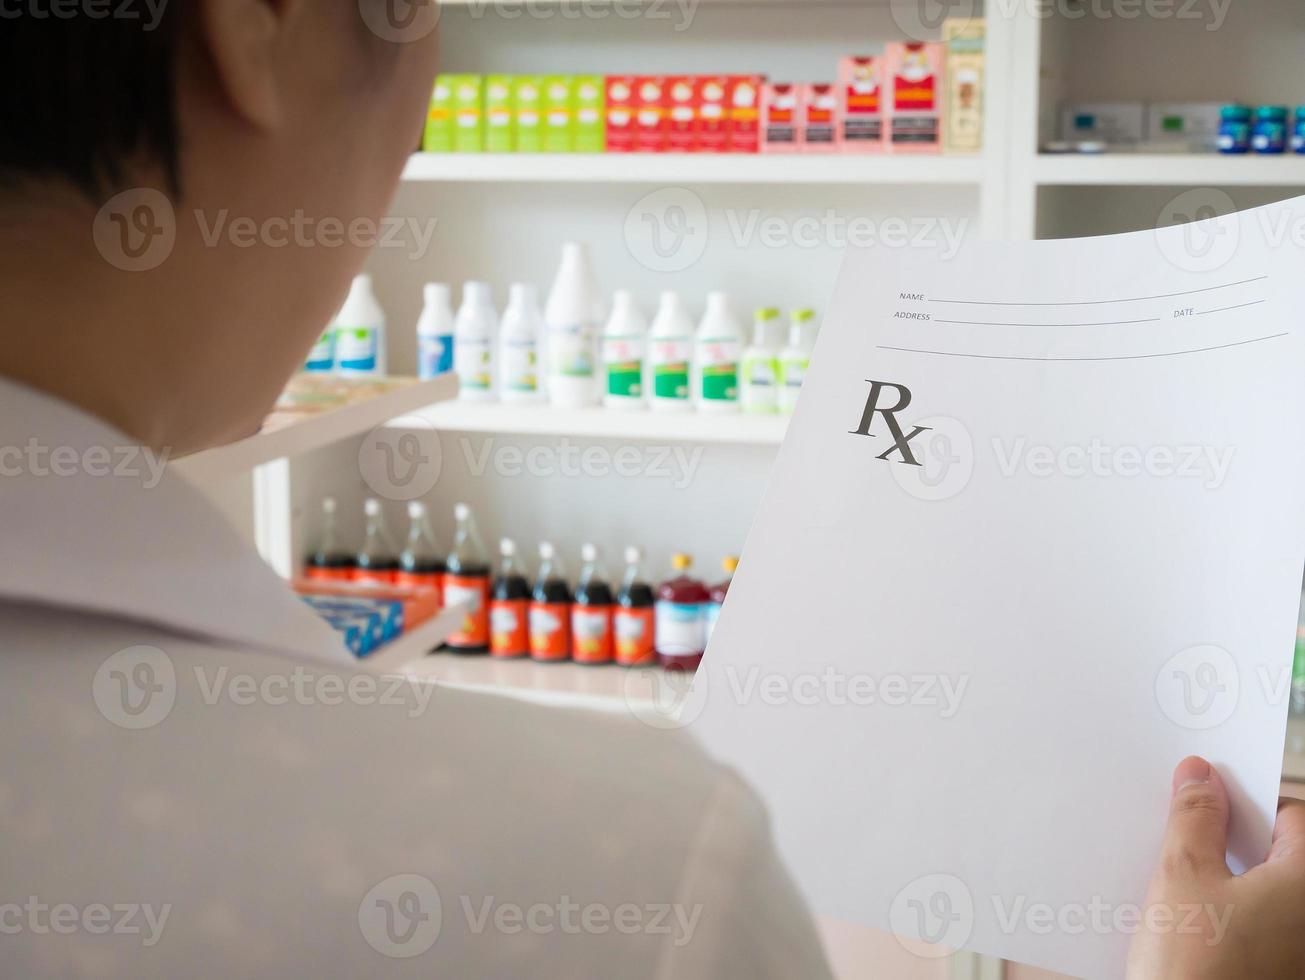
(198, 783)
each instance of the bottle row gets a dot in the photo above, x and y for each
(894, 102)
(574, 353)
(510, 614)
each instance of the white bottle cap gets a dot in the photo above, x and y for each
(437, 294)
(372, 507)
(522, 294)
(478, 293)
(718, 302)
(328, 505)
(588, 553)
(507, 548)
(670, 298)
(633, 555)
(546, 550)
(461, 512)
(416, 510)
(622, 298)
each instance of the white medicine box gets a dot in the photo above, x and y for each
(1115, 123)
(1193, 125)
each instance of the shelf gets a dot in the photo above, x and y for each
(414, 646)
(1165, 169)
(608, 688)
(605, 423)
(694, 168)
(306, 427)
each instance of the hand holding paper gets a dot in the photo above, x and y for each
(1034, 537)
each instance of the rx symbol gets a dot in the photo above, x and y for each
(142, 679)
(408, 908)
(901, 440)
(935, 917)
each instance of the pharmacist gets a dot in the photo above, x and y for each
(185, 792)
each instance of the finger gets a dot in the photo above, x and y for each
(1196, 839)
(1289, 832)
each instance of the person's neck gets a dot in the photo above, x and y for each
(77, 327)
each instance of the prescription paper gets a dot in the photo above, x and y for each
(1034, 536)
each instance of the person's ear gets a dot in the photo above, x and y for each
(242, 39)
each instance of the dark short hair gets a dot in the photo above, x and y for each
(84, 96)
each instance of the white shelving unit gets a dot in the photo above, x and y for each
(678, 168)
(1170, 170)
(502, 218)
(687, 428)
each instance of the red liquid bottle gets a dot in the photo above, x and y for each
(718, 593)
(550, 610)
(509, 607)
(420, 565)
(681, 600)
(634, 621)
(378, 561)
(591, 616)
(328, 561)
(466, 583)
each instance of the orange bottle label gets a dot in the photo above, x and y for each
(633, 637)
(314, 574)
(591, 634)
(428, 580)
(509, 634)
(373, 578)
(633, 630)
(474, 591)
(550, 630)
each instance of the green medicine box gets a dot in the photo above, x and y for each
(559, 114)
(590, 114)
(468, 113)
(438, 137)
(500, 119)
(528, 104)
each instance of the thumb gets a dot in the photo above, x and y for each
(1196, 839)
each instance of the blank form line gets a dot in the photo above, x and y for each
(1239, 306)
(1122, 357)
(1103, 323)
(1101, 302)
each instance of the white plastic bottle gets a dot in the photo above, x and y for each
(518, 346)
(360, 332)
(573, 317)
(670, 354)
(794, 359)
(717, 351)
(625, 343)
(759, 368)
(435, 333)
(474, 336)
